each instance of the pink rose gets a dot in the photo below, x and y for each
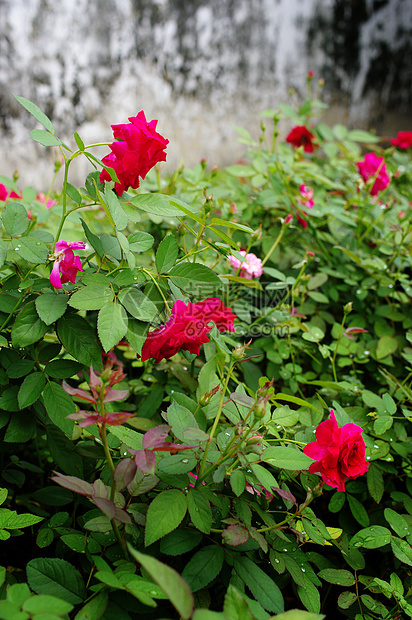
(339, 452)
(301, 136)
(403, 140)
(66, 265)
(138, 149)
(374, 167)
(249, 268)
(6, 193)
(46, 200)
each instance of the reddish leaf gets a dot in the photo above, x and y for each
(155, 436)
(106, 506)
(235, 535)
(124, 473)
(73, 484)
(145, 461)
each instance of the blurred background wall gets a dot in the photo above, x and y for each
(199, 66)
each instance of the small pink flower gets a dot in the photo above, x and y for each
(66, 265)
(301, 136)
(374, 167)
(249, 268)
(401, 214)
(307, 196)
(288, 218)
(233, 208)
(310, 75)
(46, 200)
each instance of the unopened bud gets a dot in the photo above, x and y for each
(260, 409)
(347, 309)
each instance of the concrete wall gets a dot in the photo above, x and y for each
(199, 66)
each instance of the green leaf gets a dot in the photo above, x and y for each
(336, 502)
(28, 328)
(35, 111)
(15, 219)
(402, 550)
(237, 482)
(358, 511)
(284, 457)
(21, 428)
(309, 595)
(166, 254)
(92, 239)
(386, 346)
(346, 599)
(73, 194)
(51, 306)
(203, 567)
(79, 339)
(136, 334)
(138, 305)
(31, 249)
(3, 252)
(359, 135)
(30, 389)
(374, 479)
(218, 222)
(340, 577)
(397, 522)
(165, 513)
(111, 325)
(56, 577)
(235, 605)
(62, 369)
(263, 588)
(165, 206)
(113, 204)
(92, 297)
(180, 419)
(20, 369)
(95, 608)
(389, 403)
(180, 541)
(59, 405)
(200, 510)
(180, 463)
(371, 537)
(194, 276)
(45, 138)
(43, 603)
(170, 582)
(140, 241)
(264, 477)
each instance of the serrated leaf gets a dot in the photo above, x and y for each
(358, 511)
(95, 608)
(237, 482)
(284, 457)
(3, 252)
(203, 567)
(170, 582)
(115, 207)
(35, 111)
(50, 307)
(200, 510)
(28, 328)
(402, 550)
(166, 254)
(339, 577)
(180, 541)
(397, 522)
(263, 588)
(43, 603)
(15, 219)
(111, 325)
(138, 304)
(21, 428)
(31, 249)
(371, 537)
(165, 206)
(30, 389)
(165, 513)
(193, 276)
(58, 406)
(140, 241)
(92, 297)
(56, 577)
(79, 339)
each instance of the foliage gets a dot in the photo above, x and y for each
(180, 488)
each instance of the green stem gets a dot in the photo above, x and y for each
(272, 249)
(217, 418)
(151, 276)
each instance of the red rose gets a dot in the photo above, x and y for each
(339, 452)
(138, 149)
(374, 166)
(213, 309)
(403, 140)
(301, 136)
(187, 328)
(6, 193)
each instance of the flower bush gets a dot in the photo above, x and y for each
(169, 370)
